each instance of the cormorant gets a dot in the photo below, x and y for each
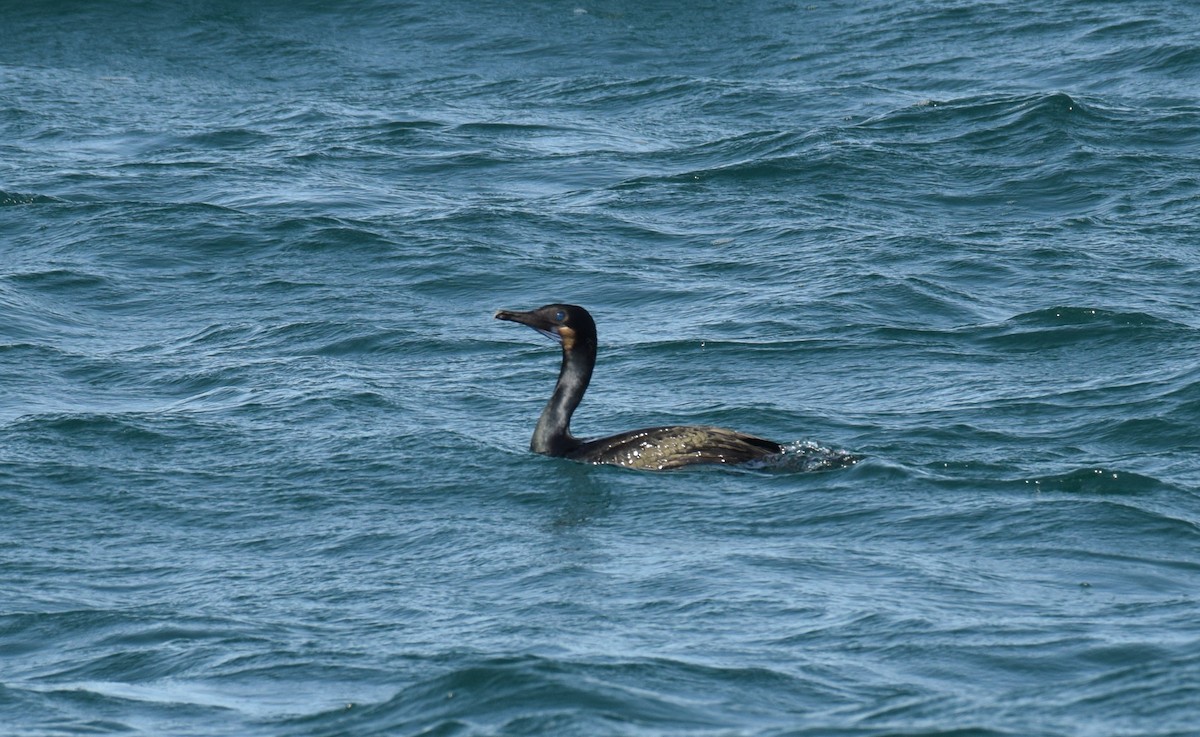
(654, 448)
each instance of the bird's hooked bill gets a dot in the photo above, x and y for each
(533, 320)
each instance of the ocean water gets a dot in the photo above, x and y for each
(263, 449)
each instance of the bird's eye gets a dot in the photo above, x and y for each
(560, 316)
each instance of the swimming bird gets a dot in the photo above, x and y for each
(653, 448)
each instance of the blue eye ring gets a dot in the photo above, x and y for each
(560, 316)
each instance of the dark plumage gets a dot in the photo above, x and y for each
(655, 448)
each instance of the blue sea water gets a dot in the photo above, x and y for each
(263, 450)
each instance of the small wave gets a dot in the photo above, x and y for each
(807, 456)
(627, 91)
(1097, 481)
(534, 695)
(218, 336)
(1067, 315)
(364, 343)
(64, 280)
(1166, 59)
(93, 426)
(503, 128)
(397, 132)
(1042, 126)
(1125, 28)
(22, 198)
(229, 139)
(993, 120)
(1064, 325)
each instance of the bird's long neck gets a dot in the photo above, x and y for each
(553, 433)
